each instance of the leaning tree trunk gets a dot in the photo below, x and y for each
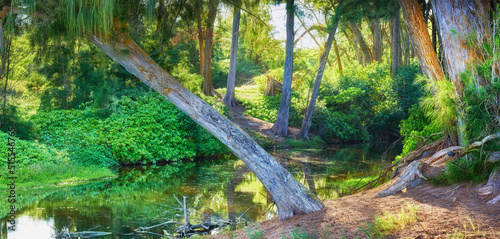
(396, 43)
(207, 87)
(417, 29)
(280, 127)
(464, 28)
(229, 98)
(339, 62)
(291, 197)
(363, 47)
(306, 122)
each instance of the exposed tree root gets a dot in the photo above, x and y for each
(491, 188)
(407, 178)
(444, 155)
(412, 174)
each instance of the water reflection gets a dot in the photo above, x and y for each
(144, 196)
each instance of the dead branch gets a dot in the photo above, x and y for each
(479, 143)
(407, 178)
(444, 155)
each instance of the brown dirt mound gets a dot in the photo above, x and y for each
(443, 212)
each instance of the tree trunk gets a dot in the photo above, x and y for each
(464, 28)
(280, 127)
(417, 29)
(291, 197)
(377, 40)
(306, 122)
(229, 98)
(339, 61)
(396, 43)
(201, 40)
(363, 47)
(207, 87)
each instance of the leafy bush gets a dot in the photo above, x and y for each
(140, 130)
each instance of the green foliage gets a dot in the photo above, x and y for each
(474, 170)
(358, 105)
(142, 129)
(256, 234)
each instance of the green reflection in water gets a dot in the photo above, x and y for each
(144, 196)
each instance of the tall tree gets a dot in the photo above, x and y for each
(306, 122)
(396, 43)
(364, 50)
(229, 98)
(377, 40)
(207, 87)
(417, 30)
(463, 26)
(280, 127)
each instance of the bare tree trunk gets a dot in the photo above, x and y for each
(339, 61)
(201, 40)
(5, 44)
(363, 47)
(417, 29)
(280, 127)
(306, 122)
(207, 87)
(229, 98)
(457, 22)
(377, 40)
(291, 197)
(396, 43)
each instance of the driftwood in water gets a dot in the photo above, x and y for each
(209, 221)
(408, 178)
(273, 86)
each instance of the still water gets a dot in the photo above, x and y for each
(144, 196)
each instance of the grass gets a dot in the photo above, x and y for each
(257, 233)
(389, 223)
(472, 231)
(35, 182)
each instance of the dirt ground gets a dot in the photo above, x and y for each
(442, 212)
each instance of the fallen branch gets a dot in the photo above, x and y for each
(443, 156)
(407, 178)
(479, 143)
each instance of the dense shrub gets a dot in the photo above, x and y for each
(141, 129)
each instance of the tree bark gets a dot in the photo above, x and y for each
(280, 127)
(417, 29)
(291, 197)
(363, 47)
(207, 86)
(339, 61)
(464, 28)
(306, 122)
(396, 43)
(229, 98)
(377, 40)
(201, 40)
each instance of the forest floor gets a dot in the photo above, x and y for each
(442, 212)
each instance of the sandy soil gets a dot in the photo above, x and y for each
(443, 212)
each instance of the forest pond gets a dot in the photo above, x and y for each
(143, 196)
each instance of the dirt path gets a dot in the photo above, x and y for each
(253, 125)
